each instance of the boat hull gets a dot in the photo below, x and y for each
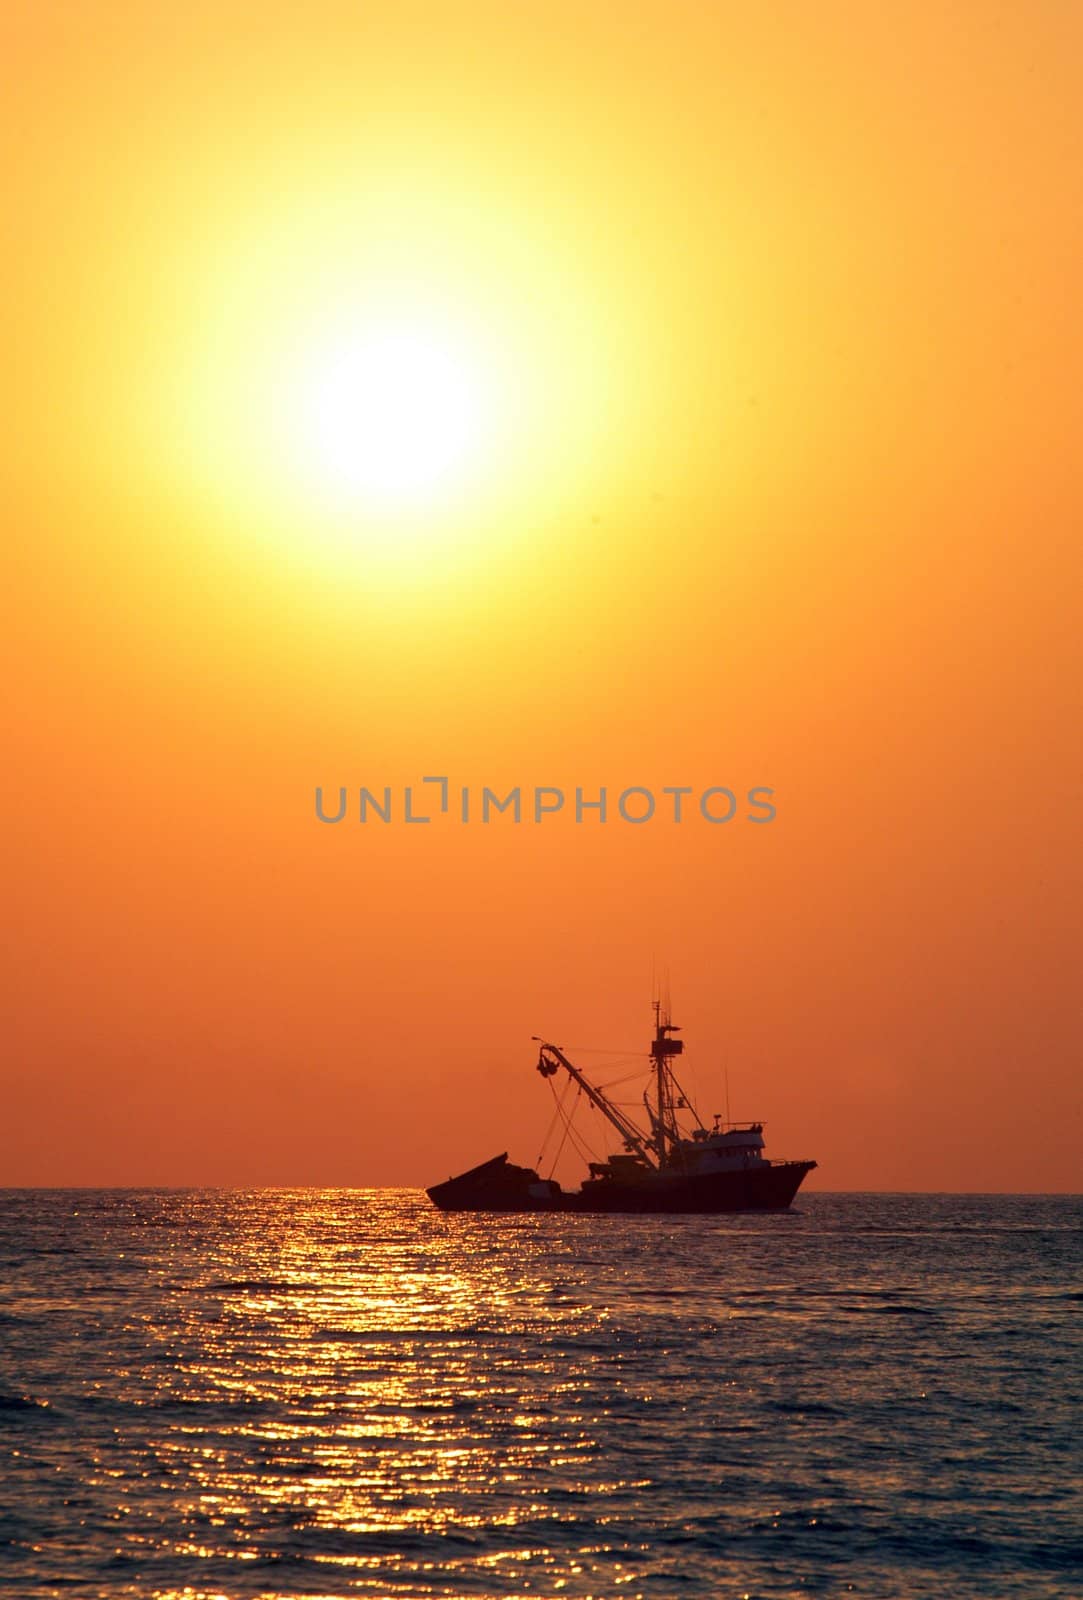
(760, 1188)
(496, 1185)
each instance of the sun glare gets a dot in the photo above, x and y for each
(386, 415)
(377, 384)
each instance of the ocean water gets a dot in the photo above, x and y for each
(338, 1393)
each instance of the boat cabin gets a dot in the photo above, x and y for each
(727, 1147)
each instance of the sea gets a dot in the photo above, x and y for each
(280, 1393)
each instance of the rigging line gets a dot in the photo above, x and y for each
(568, 1134)
(548, 1136)
(690, 1104)
(592, 1050)
(575, 1140)
(560, 1147)
(584, 1154)
(555, 1117)
(615, 1083)
(559, 1103)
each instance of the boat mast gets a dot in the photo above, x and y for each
(662, 1047)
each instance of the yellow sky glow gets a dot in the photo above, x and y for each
(571, 393)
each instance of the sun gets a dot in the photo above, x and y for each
(386, 414)
(403, 382)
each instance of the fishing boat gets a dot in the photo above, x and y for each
(671, 1163)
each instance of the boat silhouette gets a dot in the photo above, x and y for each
(672, 1164)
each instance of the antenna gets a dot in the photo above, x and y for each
(726, 1070)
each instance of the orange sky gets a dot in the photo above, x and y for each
(777, 315)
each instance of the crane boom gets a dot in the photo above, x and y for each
(551, 1056)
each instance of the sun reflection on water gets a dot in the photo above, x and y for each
(286, 1394)
(373, 1395)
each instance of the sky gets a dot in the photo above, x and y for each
(566, 396)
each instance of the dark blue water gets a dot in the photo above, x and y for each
(328, 1393)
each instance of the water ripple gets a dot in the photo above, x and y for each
(278, 1394)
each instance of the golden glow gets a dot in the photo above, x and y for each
(387, 414)
(354, 378)
(727, 434)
